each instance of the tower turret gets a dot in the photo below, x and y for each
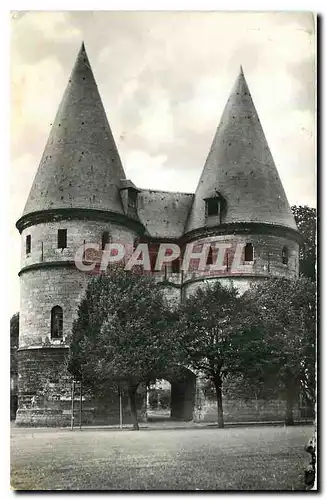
(240, 205)
(75, 199)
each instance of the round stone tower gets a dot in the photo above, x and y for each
(240, 206)
(77, 197)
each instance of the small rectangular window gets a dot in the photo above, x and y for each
(248, 252)
(285, 255)
(28, 244)
(210, 257)
(62, 238)
(175, 266)
(105, 239)
(153, 259)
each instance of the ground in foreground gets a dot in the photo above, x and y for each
(244, 458)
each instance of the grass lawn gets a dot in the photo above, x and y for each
(243, 458)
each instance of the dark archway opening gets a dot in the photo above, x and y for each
(172, 396)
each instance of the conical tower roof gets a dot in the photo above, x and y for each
(80, 166)
(241, 168)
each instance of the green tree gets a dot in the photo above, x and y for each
(14, 336)
(306, 219)
(121, 333)
(14, 341)
(206, 325)
(284, 356)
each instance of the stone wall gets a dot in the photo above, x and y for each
(267, 261)
(44, 387)
(41, 290)
(251, 411)
(78, 232)
(45, 393)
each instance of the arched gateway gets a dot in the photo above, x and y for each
(183, 392)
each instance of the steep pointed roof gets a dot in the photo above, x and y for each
(241, 168)
(80, 166)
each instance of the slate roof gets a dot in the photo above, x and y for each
(164, 213)
(80, 166)
(241, 168)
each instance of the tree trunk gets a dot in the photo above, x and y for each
(218, 383)
(289, 418)
(132, 400)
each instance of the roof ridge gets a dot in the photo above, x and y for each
(163, 191)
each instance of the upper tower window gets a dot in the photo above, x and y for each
(62, 238)
(56, 322)
(105, 239)
(248, 252)
(213, 207)
(285, 255)
(28, 244)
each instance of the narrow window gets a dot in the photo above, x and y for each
(56, 322)
(175, 266)
(285, 255)
(105, 239)
(248, 252)
(62, 238)
(210, 257)
(28, 244)
(213, 207)
(153, 259)
(136, 243)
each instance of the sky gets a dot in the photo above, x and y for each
(164, 78)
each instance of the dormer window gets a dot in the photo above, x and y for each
(213, 207)
(132, 199)
(129, 195)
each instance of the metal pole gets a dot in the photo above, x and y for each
(120, 410)
(73, 397)
(80, 406)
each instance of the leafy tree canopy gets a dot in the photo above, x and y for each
(14, 330)
(207, 325)
(285, 357)
(121, 333)
(306, 220)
